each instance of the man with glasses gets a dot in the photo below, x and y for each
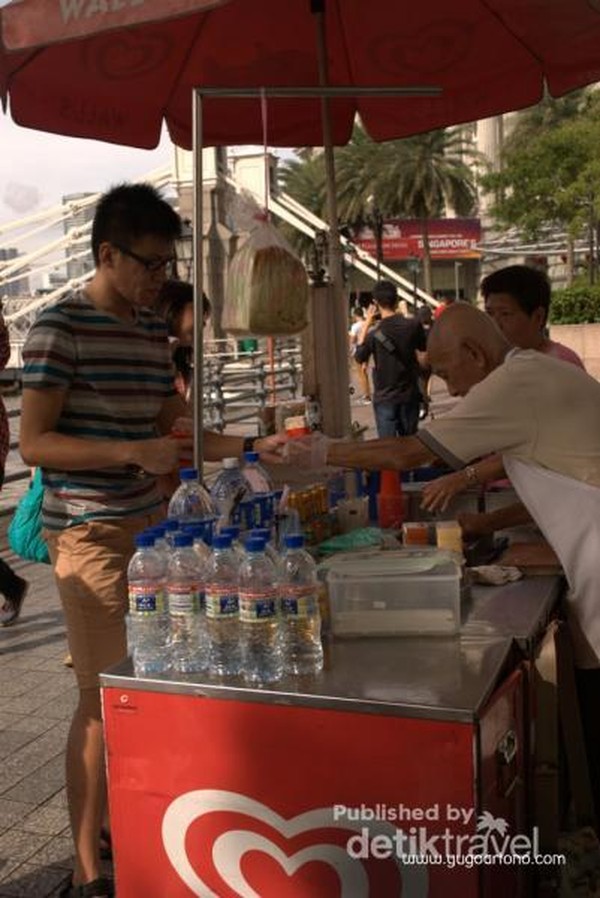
(98, 408)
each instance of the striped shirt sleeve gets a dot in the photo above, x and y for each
(49, 354)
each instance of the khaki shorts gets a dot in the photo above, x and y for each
(90, 566)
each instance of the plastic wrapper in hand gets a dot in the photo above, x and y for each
(267, 287)
(307, 452)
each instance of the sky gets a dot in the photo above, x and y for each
(37, 169)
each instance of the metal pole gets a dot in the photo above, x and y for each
(457, 280)
(198, 268)
(341, 423)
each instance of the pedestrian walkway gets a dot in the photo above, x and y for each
(37, 698)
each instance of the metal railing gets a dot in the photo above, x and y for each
(239, 385)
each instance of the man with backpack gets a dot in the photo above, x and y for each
(394, 344)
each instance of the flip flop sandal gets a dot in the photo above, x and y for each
(99, 888)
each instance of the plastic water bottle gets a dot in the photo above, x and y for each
(185, 596)
(300, 616)
(160, 540)
(256, 475)
(148, 620)
(270, 550)
(171, 527)
(223, 610)
(228, 490)
(262, 488)
(237, 548)
(200, 546)
(259, 616)
(190, 502)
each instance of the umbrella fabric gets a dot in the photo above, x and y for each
(488, 56)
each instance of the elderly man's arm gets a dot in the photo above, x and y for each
(399, 453)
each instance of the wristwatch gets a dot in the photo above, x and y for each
(470, 473)
(248, 444)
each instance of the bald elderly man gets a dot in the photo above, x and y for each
(543, 417)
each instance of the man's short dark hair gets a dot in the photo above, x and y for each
(128, 212)
(529, 287)
(385, 294)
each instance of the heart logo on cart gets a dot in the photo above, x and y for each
(232, 846)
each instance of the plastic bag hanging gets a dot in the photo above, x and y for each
(267, 284)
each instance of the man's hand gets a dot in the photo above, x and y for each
(438, 493)
(474, 525)
(307, 452)
(159, 456)
(271, 448)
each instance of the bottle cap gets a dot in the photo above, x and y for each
(196, 531)
(144, 540)
(255, 544)
(261, 533)
(170, 525)
(229, 463)
(251, 456)
(188, 474)
(296, 426)
(294, 541)
(231, 530)
(183, 540)
(222, 541)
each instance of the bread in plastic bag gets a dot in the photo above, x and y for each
(267, 286)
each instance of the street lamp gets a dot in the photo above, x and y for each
(185, 252)
(414, 266)
(375, 221)
(457, 267)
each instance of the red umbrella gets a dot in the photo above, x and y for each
(487, 56)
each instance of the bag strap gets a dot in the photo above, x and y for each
(387, 344)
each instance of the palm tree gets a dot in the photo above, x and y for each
(425, 174)
(411, 178)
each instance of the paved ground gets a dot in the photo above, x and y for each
(37, 698)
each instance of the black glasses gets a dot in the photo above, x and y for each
(151, 265)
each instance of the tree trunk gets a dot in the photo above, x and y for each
(427, 273)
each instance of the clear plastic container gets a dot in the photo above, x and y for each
(147, 621)
(190, 502)
(404, 593)
(300, 614)
(223, 609)
(256, 475)
(259, 616)
(229, 490)
(185, 596)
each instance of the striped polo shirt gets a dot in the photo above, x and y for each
(116, 375)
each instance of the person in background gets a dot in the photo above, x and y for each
(445, 303)
(542, 416)
(12, 587)
(99, 409)
(393, 344)
(360, 368)
(176, 305)
(517, 298)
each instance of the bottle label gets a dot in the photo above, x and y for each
(146, 600)
(299, 601)
(185, 600)
(221, 603)
(257, 607)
